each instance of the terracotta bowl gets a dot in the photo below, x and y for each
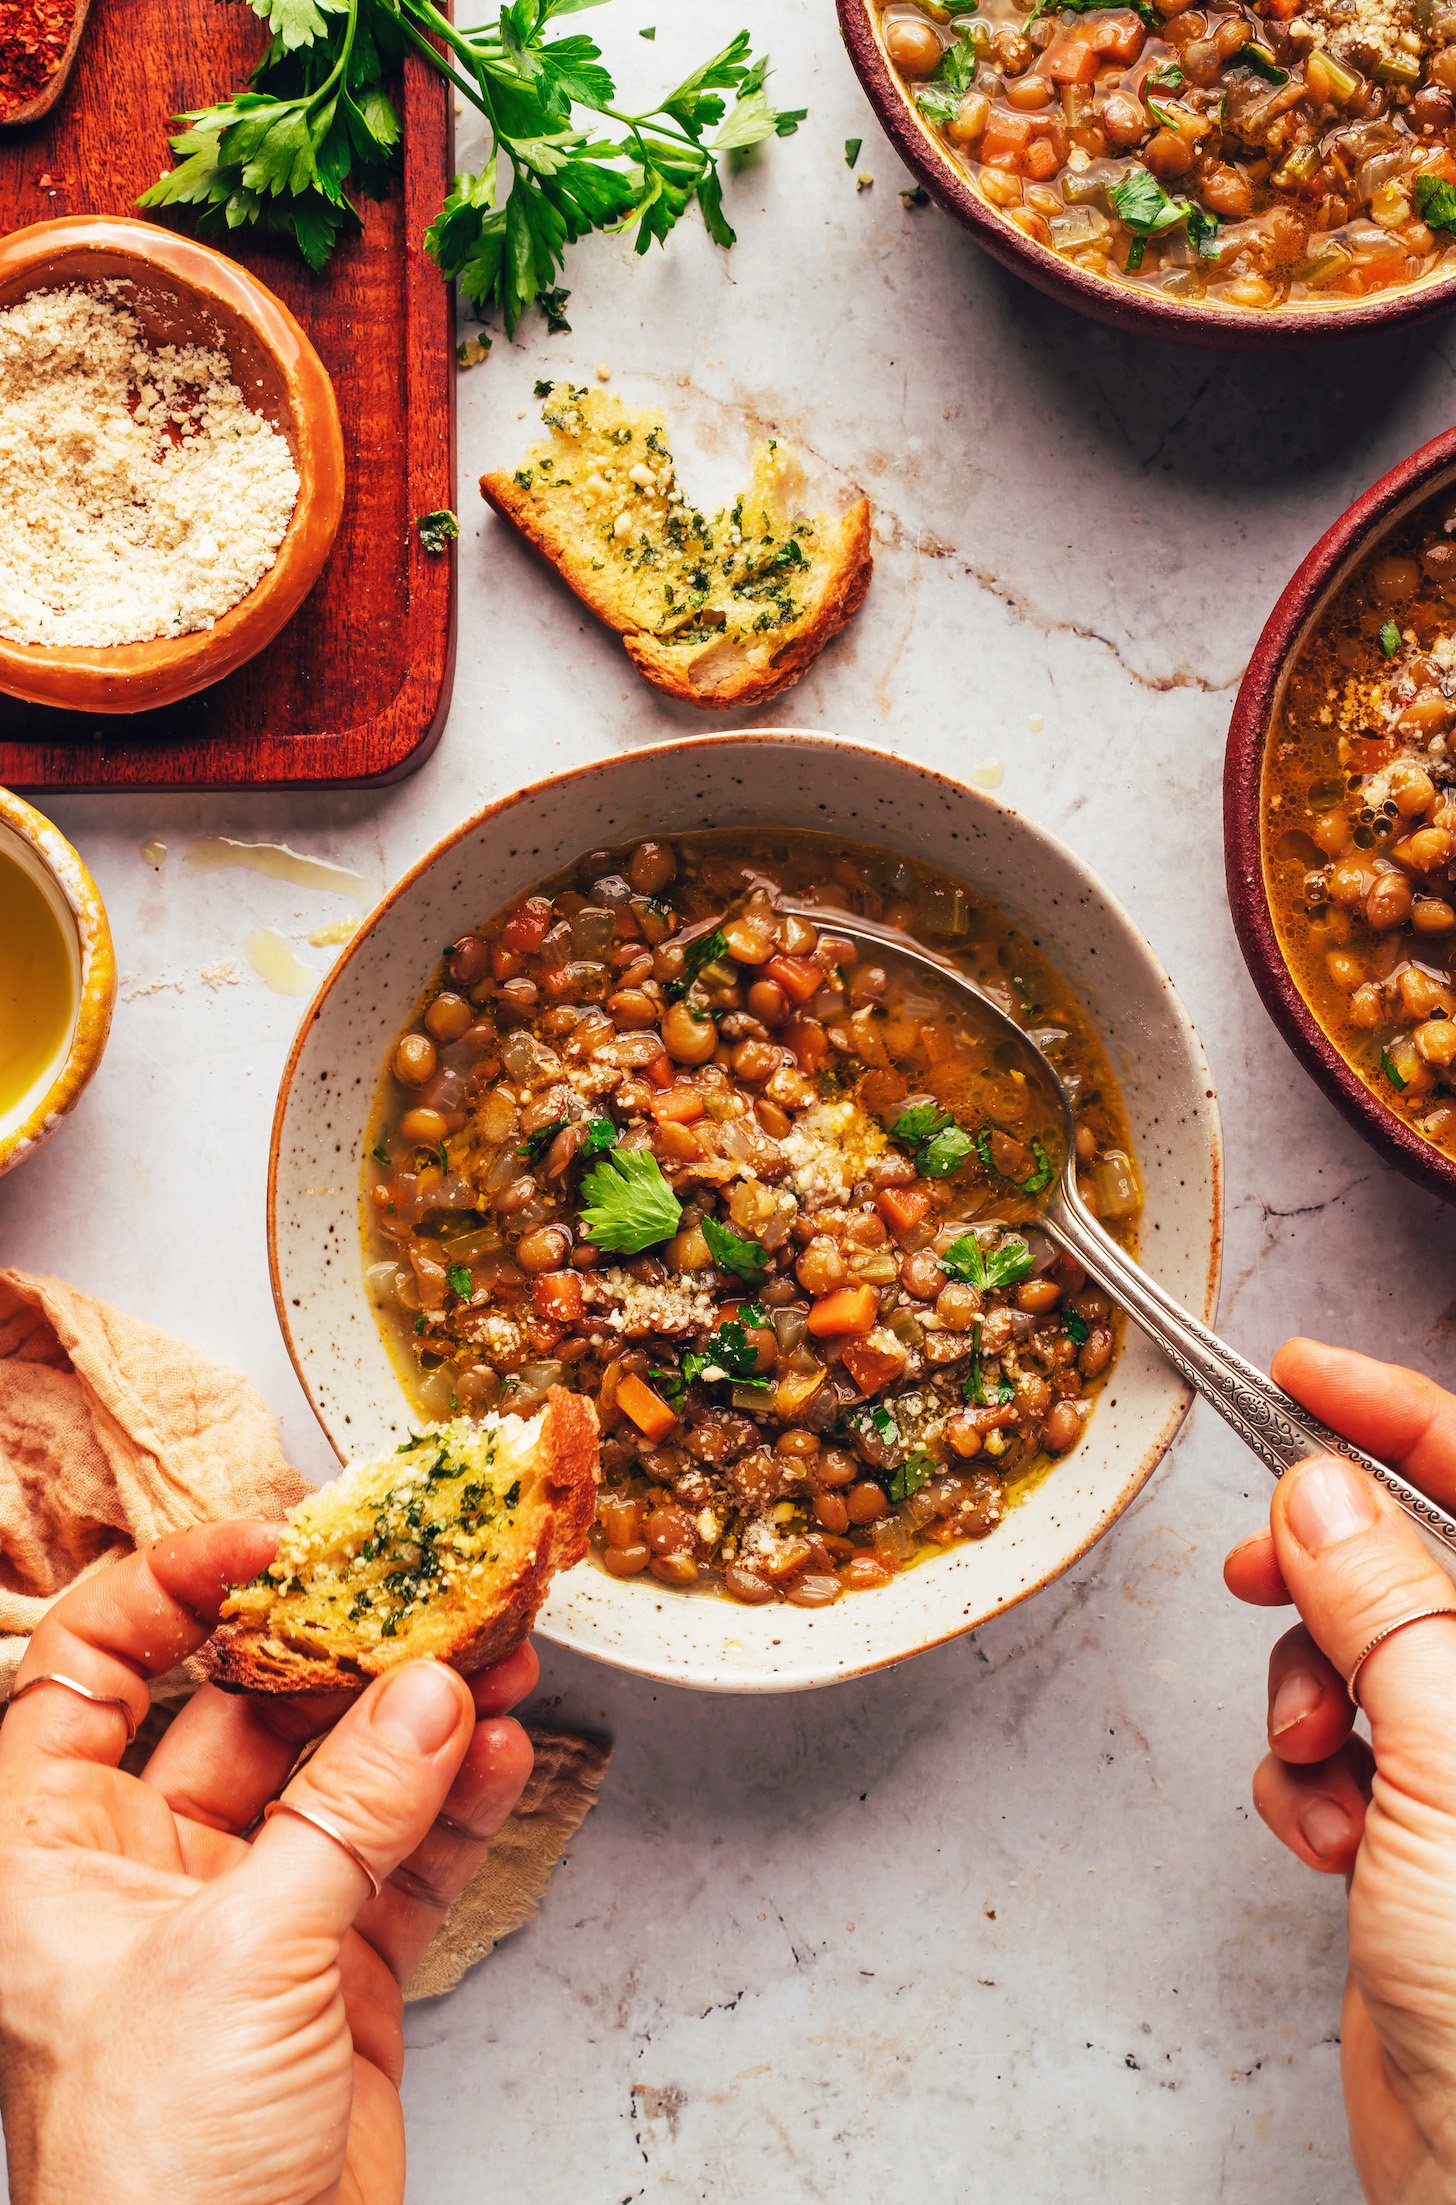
(28, 838)
(788, 780)
(185, 293)
(1124, 305)
(1326, 570)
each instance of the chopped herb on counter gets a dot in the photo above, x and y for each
(437, 529)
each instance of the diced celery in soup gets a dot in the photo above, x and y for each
(771, 1204)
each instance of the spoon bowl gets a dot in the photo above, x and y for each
(1267, 1419)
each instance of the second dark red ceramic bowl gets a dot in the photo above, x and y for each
(1144, 312)
(1328, 567)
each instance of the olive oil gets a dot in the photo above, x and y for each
(37, 983)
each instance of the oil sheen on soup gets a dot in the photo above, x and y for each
(767, 1201)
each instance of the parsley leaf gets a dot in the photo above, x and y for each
(852, 150)
(381, 1154)
(1076, 1327)
(1437, 202)
(1387, 1066)
(1144, 8)
(1140, 201)
(1036, 1180)
(537, 1143)
(1007, 1265)
(939, 100)
(984, 1394)
(706, 950)
(627, 1205)
(731, 1252)
(315, 126)
(943, 1153)
(671, 1384)
(437, 529)
(1390, 639)
(461, 1282)
(1261, 60)
(939, 1143)
(1167, 75)
(916, 1470)
(729, 1355)
(601, 1134)
(919, 1122)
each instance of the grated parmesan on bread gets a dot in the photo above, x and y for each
(446, 1547)
(722, 611)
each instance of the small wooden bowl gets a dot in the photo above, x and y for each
(1326, 570)
(185, 293)
(35, 110)
(1143, 312)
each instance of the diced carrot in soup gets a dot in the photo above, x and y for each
(683, 1105)
(648, 1411)
(799, 977)
(848, 1309)
(1005, 139)
(1041, 160)
(558, 1295)
(902, 1208)
(1119, 35)
(1071, 57)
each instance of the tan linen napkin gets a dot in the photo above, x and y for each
(113, 1434)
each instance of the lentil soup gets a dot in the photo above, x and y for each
(1359, 821)
(1244, 153)
(767, 1202)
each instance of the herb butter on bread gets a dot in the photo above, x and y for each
(446, 1547)
(722, 611)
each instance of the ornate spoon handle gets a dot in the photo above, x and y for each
(1264, 1416)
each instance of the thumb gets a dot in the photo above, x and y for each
(1354, 1567)
(378, 1781)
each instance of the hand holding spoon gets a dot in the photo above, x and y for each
(1266, 1418)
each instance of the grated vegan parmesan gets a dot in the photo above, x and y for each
(140, 496)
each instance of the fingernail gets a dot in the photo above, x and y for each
(418, 1708)
(1330, 1501)
(1326, 1828)
(1299, 1695)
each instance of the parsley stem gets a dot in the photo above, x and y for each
(433, 54)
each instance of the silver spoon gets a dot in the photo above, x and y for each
(1267, 1419)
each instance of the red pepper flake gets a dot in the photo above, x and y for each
(33, 37)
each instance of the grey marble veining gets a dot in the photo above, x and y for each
(1000, 1923)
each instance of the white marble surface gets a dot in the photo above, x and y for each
(1000, 1923)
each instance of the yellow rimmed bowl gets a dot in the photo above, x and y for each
(29, 842)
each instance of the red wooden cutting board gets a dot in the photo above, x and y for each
(356, 687)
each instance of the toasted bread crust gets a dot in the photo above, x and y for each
(715, 675)
(240, 1658)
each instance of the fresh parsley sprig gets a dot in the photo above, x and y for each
(1007, 1265)
(626, 1203)
(940, 1145)
(317, 125)
(1148, 211)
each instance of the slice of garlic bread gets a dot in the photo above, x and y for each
(722, 611)
(445, 1547)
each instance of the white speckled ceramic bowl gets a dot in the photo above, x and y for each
(29, 839)
(786, 780)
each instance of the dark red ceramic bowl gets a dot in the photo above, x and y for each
(1144, 313)
(1339, 550)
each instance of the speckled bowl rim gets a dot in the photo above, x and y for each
(673, 753)
(1299, 605)
(1226, 328)
(132, 677)
(98, 978)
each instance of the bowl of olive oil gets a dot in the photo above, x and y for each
(57, 978)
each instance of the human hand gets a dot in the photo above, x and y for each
(1383, 1815)
(185, 2015)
